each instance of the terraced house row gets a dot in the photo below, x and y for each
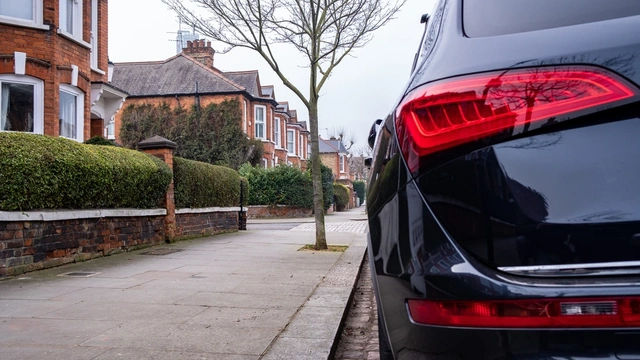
(56, 79)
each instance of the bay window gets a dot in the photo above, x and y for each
(291, 142)
(21, 104)
(341, 163)
(276, 132)
(22, 12)
(94, 34)
(71, 18)
(259, 121)
(71, 113)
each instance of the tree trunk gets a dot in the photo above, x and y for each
(318, 208)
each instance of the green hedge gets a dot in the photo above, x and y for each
(41, 172)
(199, 185)
(281, 185)
(341, 195)
(360, 188)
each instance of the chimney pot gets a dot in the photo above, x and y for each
(189, 44)
(208, 43)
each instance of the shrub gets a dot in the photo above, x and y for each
(327, 184)
(41, 172)
(99, 140)
(282, 185)
(341, 195)
(360, 188)
(199, 185)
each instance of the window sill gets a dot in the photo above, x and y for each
(66, 35)
(26, 24)
(97, 71)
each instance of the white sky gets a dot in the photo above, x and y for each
(361, 89)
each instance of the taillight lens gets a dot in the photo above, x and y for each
(447, 113)
(543, 313)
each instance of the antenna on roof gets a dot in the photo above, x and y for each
(183, 36)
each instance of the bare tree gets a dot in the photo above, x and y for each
(347, 137)
(324, 31)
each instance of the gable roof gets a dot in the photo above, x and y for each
(247, 79)
(331, 146)
(174, 76)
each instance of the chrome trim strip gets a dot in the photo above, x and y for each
(607, 265)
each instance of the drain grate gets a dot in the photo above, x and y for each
(161, 252)
(79, 274)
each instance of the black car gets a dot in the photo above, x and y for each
(504, 195)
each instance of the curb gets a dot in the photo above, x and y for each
(314, 331)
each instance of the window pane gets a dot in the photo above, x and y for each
(16, 107)
(68, 115)
(259, 114)
(20, 9)
(259, 130)
(290, 142)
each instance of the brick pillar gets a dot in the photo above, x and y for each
(163, 149)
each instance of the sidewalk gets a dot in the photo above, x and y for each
(246, 295)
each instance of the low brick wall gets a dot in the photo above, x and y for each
(37, 240)
(206, 221)
(278, 211)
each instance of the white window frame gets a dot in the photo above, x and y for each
(276, 132)
(300, 146)
(293, 139)
(95, 44)
(342, 161)
(34, 22)
(264, 162)
(72, 90)
(38, 97)
(110, 129)
(244, 117)
(256, 122)
(76, 31)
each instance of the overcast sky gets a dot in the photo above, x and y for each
(361, 89)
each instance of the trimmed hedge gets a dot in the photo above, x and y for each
(200, 185)
(41, 172)
(99, 140)
(341, 193)
(281, 185)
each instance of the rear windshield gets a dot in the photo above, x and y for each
(499, 17)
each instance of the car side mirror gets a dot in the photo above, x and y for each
(374, 132)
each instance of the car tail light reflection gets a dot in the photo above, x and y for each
(447, 113)
(555, 313)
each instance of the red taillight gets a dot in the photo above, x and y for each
(543, 313)
(447, 113)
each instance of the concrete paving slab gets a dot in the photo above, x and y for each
(244, 300)
(16, 331)
(274, 289)
(30, 308)
(51, 352)
(314, 323)
(148, 354)
(103, 311)
(133, 295)
(155, 275)
(244, 317)
(22, 291)
(286, 348)
(187, 338)
(99, 282)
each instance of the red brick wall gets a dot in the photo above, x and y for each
(204, 224)
(279, 211)
(33, 245)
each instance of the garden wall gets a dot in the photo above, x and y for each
(278, 211)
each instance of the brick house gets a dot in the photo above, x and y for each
(54, 68)
(334, 155)
(191, 76)
(294, 147)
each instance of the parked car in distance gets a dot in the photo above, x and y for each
(504, 192)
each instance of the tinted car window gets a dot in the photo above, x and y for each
(500, 17)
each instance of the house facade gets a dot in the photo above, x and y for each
(334, 155)
(191, 77)
(54, 68)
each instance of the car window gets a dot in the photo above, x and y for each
(500, 17)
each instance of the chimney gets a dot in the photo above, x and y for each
(201, 51)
